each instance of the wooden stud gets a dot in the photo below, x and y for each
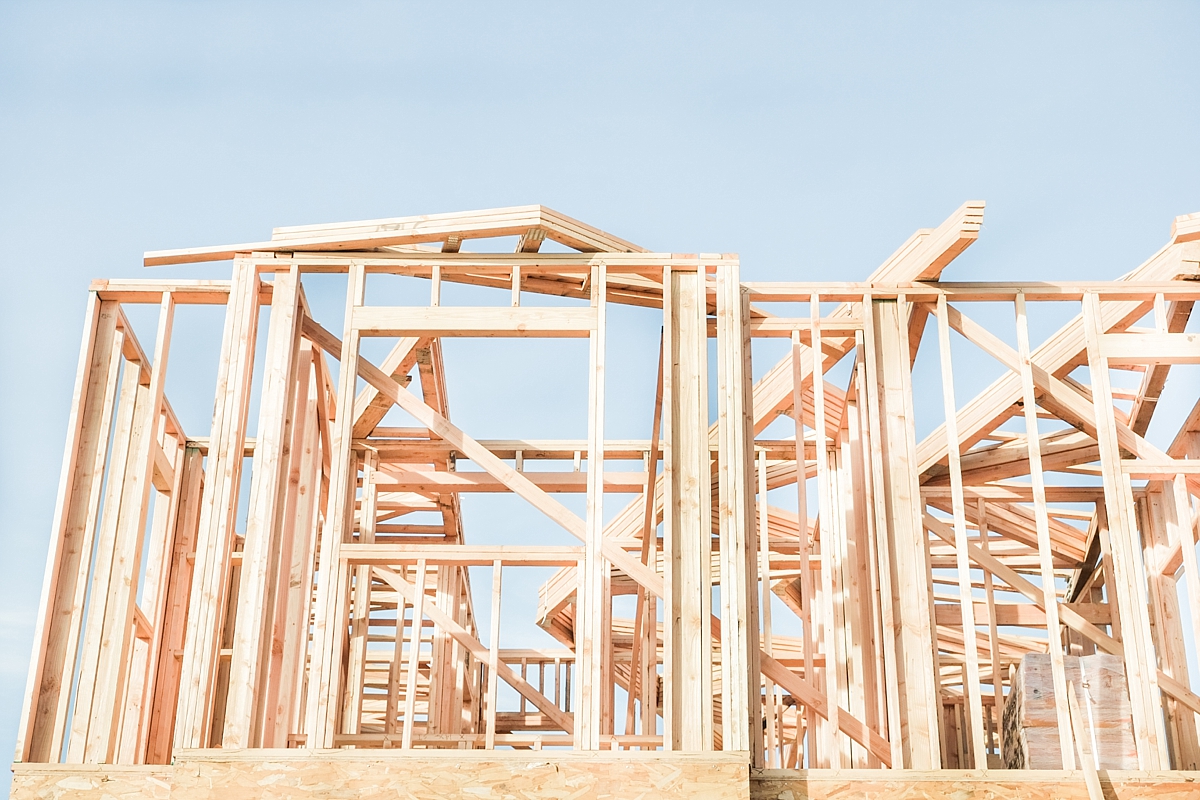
(332, 590)
(214, 539)
(56, 637)
(589, 623)
(741, 704)
(1149, 731)
(971, 687)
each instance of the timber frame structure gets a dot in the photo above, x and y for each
(236, 616)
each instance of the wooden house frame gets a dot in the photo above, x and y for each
(258, 610)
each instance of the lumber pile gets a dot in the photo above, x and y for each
(1031, 724)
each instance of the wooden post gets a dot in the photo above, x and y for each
(493, 659)
(688, 718)
(807, 591)
(360, 621)
(1180, 520)
(876, 711)
(161, 720)
(981, 525)
(741, 692)
(903, 535)
(260, 553)
(1132, 600)
(56, 638)
(1158, 519)
(218, 507)
(105, 659)
(414, 654)
(591, 637)
(830, 530)
(1049, 590)
(332, 589)
(289, 629)
(971, 687)
(882, 540)
(772, 745)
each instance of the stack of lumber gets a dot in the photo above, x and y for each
(1031, 724)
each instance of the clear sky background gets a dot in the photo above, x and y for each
(811, 138)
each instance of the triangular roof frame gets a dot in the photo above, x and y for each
(534, 222)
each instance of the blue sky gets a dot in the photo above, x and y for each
(810, 138)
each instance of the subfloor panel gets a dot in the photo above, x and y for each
(967, 785)
(553, 775)
(378, 774)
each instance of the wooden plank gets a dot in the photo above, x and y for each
(971, 685)
(56, 635)
(1019, 614)
(688, 720)
(648, 681)
(113, 667)
(1156, 515)
(465, 321)
(150, 612)
(214, 538)
(408, 230)
(829, 529)
(1150, 348)
(1132, 600)
(881, 550)
(172, 619)
(1177, 288)
(440, 482)
(329, 627)
(773, 744)
(1181, 526)
(493, 660)
(904, 537)
(1090, 776)
(414, 654)
(741, 706)
(807, 593)
(591, 638)
(360, 604)
(301, 509)
(182, 292)
(1033, 439)
(98, 691)
(260, 552)
(461, 555)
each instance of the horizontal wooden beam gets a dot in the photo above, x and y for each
(1154, 470)
(1150, 348)
(959, 292)
(1021, 614)
(1019, 493)
(440, 482)
(182, 292)
(465, 321)
(462, 555)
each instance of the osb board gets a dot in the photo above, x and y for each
(378, 774)
(967, 785)
(533, 776)
(88, 782)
